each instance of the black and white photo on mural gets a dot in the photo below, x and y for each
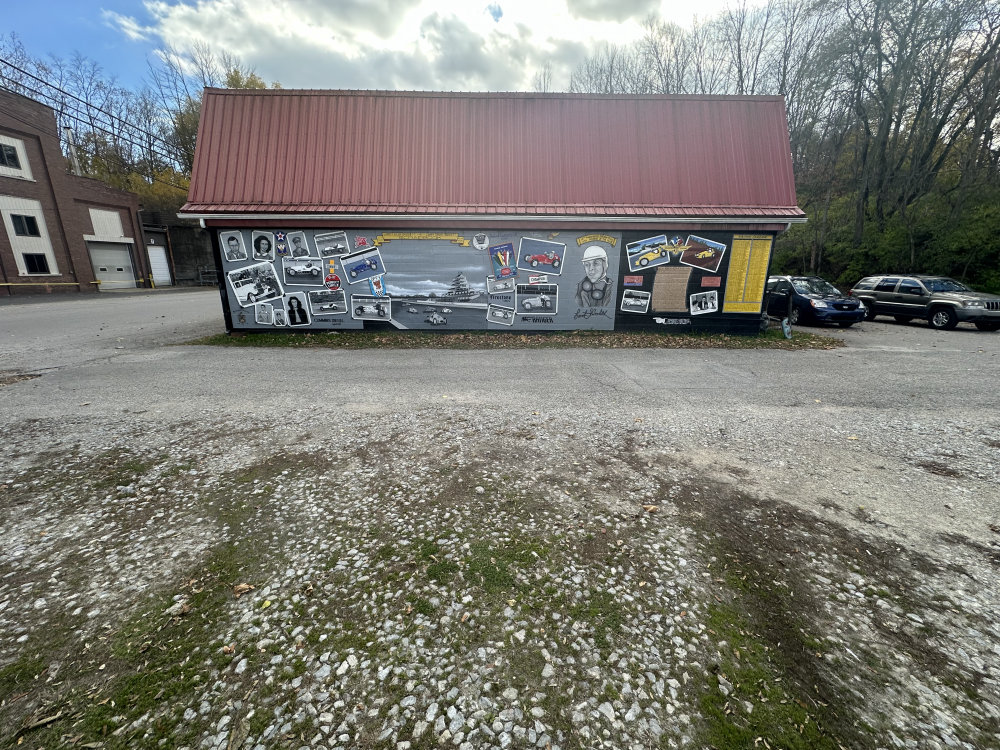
(298, 245)
(500, 286)
(252, 284)
(533, 299)
(263, 246)
(232, 246)
(367, 307)
(279, 316)
(264, 314)
(327, 302)
(502, 315)
(295, 308)
(635, 301)
(302, 271)
(331, 244)
(704, 302)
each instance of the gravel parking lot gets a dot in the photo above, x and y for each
(260, 548)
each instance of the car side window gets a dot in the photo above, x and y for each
(864, 284)
(784, 287)
(908, 286)
(886, 285)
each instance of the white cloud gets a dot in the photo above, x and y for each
(128, 26)
(401, 44)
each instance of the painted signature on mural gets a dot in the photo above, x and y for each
(591, 312)
(673, 321)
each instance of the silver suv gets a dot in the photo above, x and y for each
(941, 301)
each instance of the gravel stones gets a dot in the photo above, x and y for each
(396, 605)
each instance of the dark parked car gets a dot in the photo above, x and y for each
(810, 299)
(941, 301)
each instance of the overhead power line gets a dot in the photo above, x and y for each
(87, 104)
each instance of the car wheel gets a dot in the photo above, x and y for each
(555, 264)
(794, 315)
(291, 271)
(904, 319)
(643, 261)
(988, 326)
(315, 272)
(845, 323)
(943, 318)
(534, 264)
(869, 310)
(251, 297)
(354, 274)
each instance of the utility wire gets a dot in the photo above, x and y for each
(76, 114)
(93, 149)
(89, 105)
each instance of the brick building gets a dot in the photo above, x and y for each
(60, 232)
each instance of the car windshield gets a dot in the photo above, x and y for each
(814, 286)
(945, 285)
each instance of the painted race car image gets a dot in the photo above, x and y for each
(331, 306)
(362, 267)
(635, 302)
(654, 252)
(435, 319)
(706, 254)
(541, 302)
(445, 310)
(502, 314)
(412, 310)
(331, 250)
(549, 259)
(303, 267)
(376, 309)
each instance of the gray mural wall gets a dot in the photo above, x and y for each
(504, 280)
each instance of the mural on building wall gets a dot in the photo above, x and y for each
(322, 279)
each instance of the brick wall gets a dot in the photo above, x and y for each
(65, 200)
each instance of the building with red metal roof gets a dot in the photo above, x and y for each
(678, 198)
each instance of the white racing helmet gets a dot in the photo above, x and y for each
(594, 252)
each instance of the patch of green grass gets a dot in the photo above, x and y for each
(442, 572)
(780, 715)
(421, 606)
(371, 339)
(15, 677)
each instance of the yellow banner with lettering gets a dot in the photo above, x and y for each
(597, 238)
(454, 238)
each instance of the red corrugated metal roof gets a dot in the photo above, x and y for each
(414, 153)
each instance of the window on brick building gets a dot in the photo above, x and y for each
(25, 226)
(35, 263)
(8, 157)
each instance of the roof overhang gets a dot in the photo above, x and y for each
(478, 219)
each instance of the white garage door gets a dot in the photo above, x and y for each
(158, 265)
(112, 265)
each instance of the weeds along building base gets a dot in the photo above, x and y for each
(522, 212)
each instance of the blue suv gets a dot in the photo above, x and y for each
(810, 299)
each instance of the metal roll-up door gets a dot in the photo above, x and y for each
(158, 265)
(112, 265)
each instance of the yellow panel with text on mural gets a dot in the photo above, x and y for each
(748, 261)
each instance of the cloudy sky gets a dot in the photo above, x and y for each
(460, 45)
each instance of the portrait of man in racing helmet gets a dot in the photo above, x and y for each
(596, 289)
